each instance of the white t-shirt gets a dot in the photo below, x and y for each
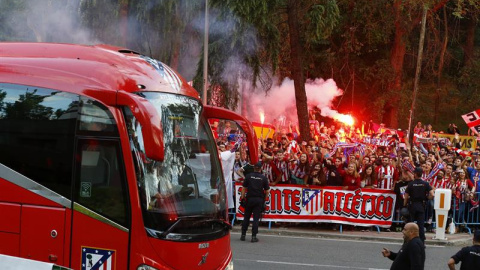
(228, 159)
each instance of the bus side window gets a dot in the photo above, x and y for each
(37, 134)
(101, 181)
(95, 167)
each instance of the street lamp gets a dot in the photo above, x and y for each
(205, 57)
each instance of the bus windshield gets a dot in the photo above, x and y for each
(188, 184)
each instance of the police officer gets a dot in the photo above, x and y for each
(416, 195)
(257, 190)
(469, 256)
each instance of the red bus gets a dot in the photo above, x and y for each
(107, 161)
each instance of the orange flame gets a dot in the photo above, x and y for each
(262, 117)
(345, 118)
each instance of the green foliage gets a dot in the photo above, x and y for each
(469, 84)
(463, 8)
(322, 18)
(28, 107)
(349, 41)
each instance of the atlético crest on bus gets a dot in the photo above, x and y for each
(312, 200)
(98, 259)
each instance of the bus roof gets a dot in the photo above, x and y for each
(80, 68)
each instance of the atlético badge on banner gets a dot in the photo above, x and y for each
(312, 200)
(98, 259)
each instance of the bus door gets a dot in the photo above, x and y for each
(239, 129)
(101, 219)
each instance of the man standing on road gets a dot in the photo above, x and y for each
(412, 253)
(469, 256)
(417, 194)
(257, 189)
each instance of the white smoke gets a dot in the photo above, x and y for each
(279, 102)
(48, 21)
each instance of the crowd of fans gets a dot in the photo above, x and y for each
(364, 157)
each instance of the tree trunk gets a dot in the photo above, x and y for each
(296, 66)
(176, 41)
(244, 100)
(441, 63)
(396, 60)
(123, 22)
(470, 40)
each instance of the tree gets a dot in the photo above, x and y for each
(304, 23)
(165, 30)
(367, 47)
(28, 107)
(402, 10)
(243, 44)
(106, 20)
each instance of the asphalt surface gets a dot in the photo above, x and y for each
(286, 252)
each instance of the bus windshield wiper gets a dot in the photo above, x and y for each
(179, 219)
(221, 222)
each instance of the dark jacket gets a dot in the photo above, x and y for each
(410, 256)
(336, 180)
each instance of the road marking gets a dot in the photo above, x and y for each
(338, 240)
(310, 264)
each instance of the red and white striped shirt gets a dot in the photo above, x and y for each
(271, 171)
(282, 166)
(385, 177)
(448, 183)
(425, 176)
(437, 183)
(299, 170)
(293, 147)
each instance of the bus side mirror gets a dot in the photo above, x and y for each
(150, 121)
(242, 122)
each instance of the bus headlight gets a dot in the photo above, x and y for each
(146, 267)
(230, 265)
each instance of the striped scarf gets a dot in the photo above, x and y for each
(348, 148)
(434, 171)
(407, 165)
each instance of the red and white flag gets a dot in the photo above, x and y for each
(473, 120)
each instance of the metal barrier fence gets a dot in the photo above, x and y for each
(465, 215)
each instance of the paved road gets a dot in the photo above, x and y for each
(290, 252)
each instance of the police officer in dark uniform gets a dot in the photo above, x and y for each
(469, 256)
(416, 195)
(257, 190)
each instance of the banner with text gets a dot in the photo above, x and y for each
(290, 203)
(467, 142)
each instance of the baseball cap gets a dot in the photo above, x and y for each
(418, 170)
(258, 164)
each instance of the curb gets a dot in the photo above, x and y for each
(464, 241)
